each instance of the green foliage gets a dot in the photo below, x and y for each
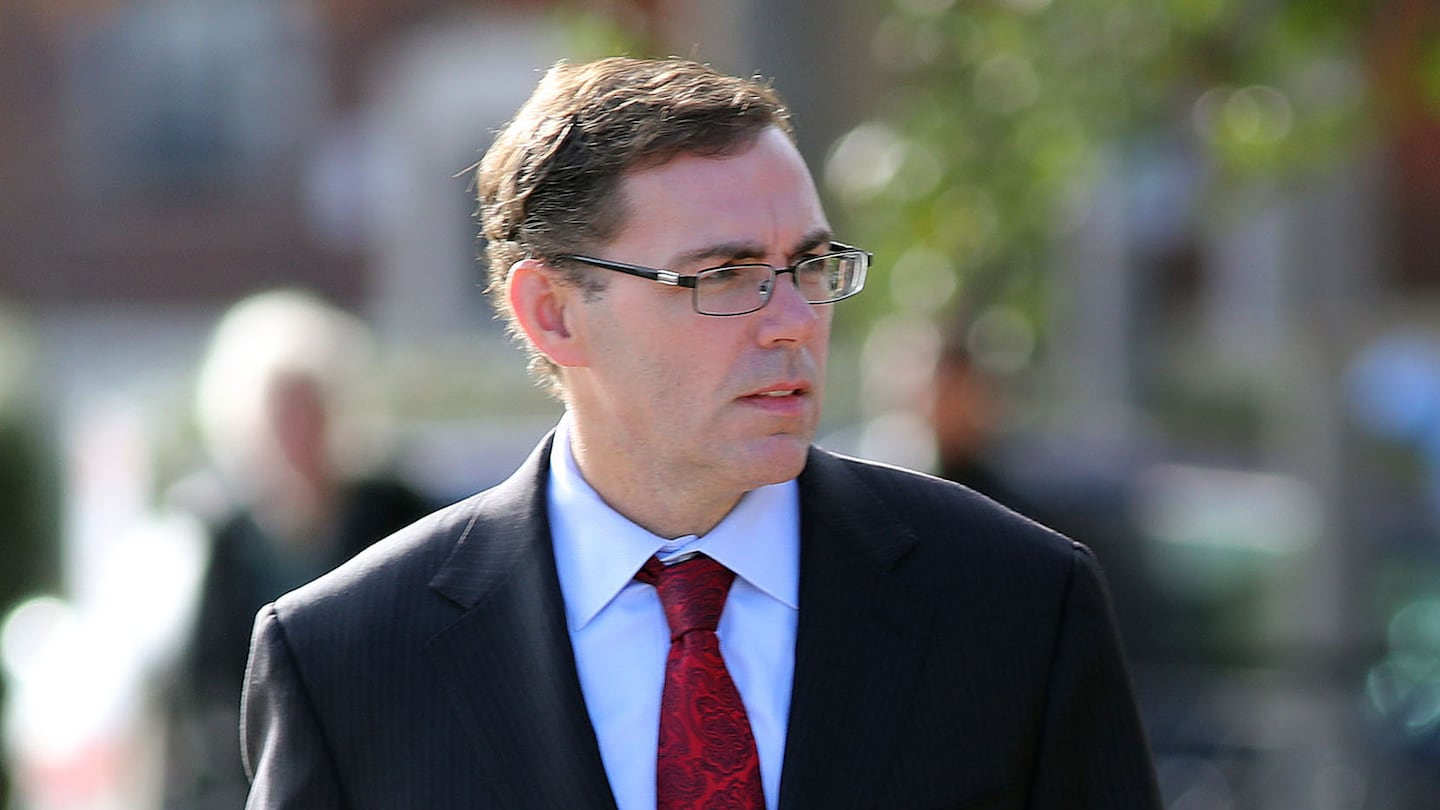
(998, 112)
(591, 34)
(28, 512)
(1430, 74)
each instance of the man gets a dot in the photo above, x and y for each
(889, 639)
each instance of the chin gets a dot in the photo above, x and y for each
(778, 459)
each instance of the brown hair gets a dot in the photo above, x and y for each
(549, 184)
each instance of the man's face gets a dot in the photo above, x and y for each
(725, 402)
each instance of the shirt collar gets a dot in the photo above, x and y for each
(598, 550)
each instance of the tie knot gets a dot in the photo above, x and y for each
(693, 592)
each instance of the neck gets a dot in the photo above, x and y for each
(660, 501)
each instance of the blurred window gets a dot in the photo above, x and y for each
(177, 95)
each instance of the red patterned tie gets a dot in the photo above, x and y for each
(707, 755)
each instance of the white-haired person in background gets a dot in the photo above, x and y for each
(294, 489)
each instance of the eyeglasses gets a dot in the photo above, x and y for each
(739, 289)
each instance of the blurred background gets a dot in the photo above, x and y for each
(1162, 273)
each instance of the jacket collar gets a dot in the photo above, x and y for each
(863, 633)
(506, 663)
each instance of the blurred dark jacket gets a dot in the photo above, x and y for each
(247, 569)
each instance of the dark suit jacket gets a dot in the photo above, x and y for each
(950, 653)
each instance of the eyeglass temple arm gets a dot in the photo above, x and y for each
(663, 276)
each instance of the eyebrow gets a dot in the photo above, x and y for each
(729, 251)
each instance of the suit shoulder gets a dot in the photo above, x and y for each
(947, 517)
(390, 569)
(918, 489)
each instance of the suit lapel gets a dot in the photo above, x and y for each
(507, 663)
(860, 643)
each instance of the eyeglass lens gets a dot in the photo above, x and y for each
(744, 288)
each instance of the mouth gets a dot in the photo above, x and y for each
(779, 393)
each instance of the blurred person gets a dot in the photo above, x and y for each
(677, 600)
(966, 405)
(295, 490)
(963, 412)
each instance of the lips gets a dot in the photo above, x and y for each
(779, 391)
(789, 400)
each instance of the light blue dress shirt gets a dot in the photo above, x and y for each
(618, 628)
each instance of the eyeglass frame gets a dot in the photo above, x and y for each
(674, 279)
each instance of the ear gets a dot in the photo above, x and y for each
(545, 309)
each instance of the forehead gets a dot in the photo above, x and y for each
(763, 195)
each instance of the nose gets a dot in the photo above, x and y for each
(788, 317)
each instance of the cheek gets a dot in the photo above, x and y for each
(661, 371)
(680, 371)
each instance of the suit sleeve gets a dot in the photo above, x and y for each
(286, 754)
(1094, 753)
